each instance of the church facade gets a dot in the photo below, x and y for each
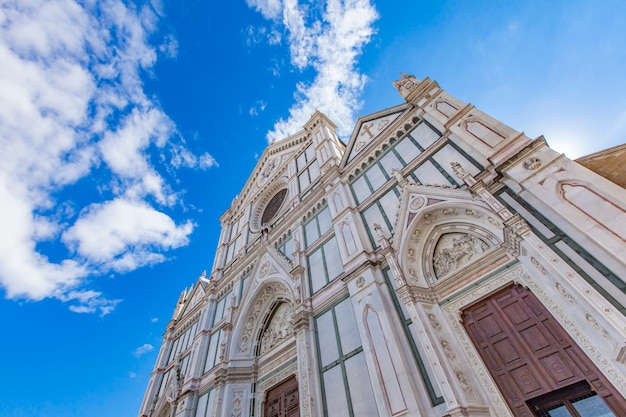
(438, 264)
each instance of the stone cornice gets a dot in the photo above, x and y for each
(538, 143)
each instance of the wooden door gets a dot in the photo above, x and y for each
(283, 400)
(529, 355)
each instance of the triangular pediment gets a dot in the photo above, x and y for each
(417, 198)
(270, 266)
(368, 129)
(440, 230)
(191, 297)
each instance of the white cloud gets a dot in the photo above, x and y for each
(104, 233)
(331, 46)
(206, 161)
(88, 301)
(182, 157)
(73, 105)
(143, 349)
(154, 319)
(270, 9)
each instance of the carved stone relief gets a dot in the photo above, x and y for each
(303, 366)
(444, 238)
(532, 163)
(447, 349)
(463, 381)
(264, 269)
(279, 329)
(417, 203)
(434, 321)
(454, 250)
(236, 404)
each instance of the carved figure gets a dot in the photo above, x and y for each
(279, 329)
(461, 251)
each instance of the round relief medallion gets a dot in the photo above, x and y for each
(264, 269)
(417, 203)
(532, 163)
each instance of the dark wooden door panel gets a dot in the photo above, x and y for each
(283, 400)
(528, 353)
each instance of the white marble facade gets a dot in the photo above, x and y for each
(349, 266)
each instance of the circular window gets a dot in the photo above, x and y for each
(273, 206)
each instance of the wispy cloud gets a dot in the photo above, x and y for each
(73, 113)
(88, 301)
(143, 349)
(258, 107)
(329, 41)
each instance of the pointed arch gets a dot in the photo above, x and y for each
(256, 311)
(275, 327)
(446, 236)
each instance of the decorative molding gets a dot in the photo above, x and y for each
(452, 312)
(265, 196)
(236, 403)
(306, 399)
(259, 303)
(515, 230)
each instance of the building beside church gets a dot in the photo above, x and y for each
(438, 264)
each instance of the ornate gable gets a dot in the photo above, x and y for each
(191, 297)
(368, 129)
(270, 283)
(442, 230)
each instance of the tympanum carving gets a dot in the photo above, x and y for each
(279, 329)
(455, 250)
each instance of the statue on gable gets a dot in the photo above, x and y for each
(406, 84)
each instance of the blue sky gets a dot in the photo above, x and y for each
(127, 128)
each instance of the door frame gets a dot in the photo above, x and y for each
(550, 293)
(529, 354)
